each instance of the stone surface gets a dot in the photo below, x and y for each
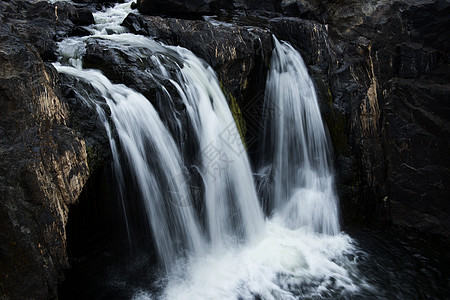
(306, 9)
(197, 8)
(380, 49)
(42, 161)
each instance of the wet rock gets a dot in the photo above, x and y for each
(85, 120)
(82, 17)
(41, 23)
(79, 31)
(179, 8)
(123, 66)
(416, 140)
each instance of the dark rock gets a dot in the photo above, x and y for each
(39, 23)
(79, 31)
(416, 61)
(174, 7)
(82, 17)
(416, 140)
(43, 169)
(230, 50)
(392, 122)
(85, 120)
(42, 160)
(313, 10)
(197, 8)
(135, 24)
(309, 37)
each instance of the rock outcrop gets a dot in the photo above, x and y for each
(391, 73)
(198, 8)
(43, 162)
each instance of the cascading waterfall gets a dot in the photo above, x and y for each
(143, 138)
(232, 208)
(295, 146)
(230, 197)
(239, 255)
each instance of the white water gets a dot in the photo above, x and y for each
(231, 202)
(155, 163)
(232, 208)
(296, 148)
(240, 255)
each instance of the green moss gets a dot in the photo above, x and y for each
(238, 119)
(237, 113)
(330, 96)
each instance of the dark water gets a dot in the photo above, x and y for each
(397, 266)
(402, 266)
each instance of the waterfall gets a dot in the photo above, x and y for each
(295, 146)
(155, 162)
(230, 197)
(237, 254)
(232, 210)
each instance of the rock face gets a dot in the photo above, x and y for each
(197, 8)
(391, 74)
(42, 161)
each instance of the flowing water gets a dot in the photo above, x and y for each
(298, 251)
(295, 146)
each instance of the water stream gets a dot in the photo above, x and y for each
(295, 146)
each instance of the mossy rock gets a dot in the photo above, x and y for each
(237, 114)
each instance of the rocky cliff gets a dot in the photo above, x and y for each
(43, 162)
